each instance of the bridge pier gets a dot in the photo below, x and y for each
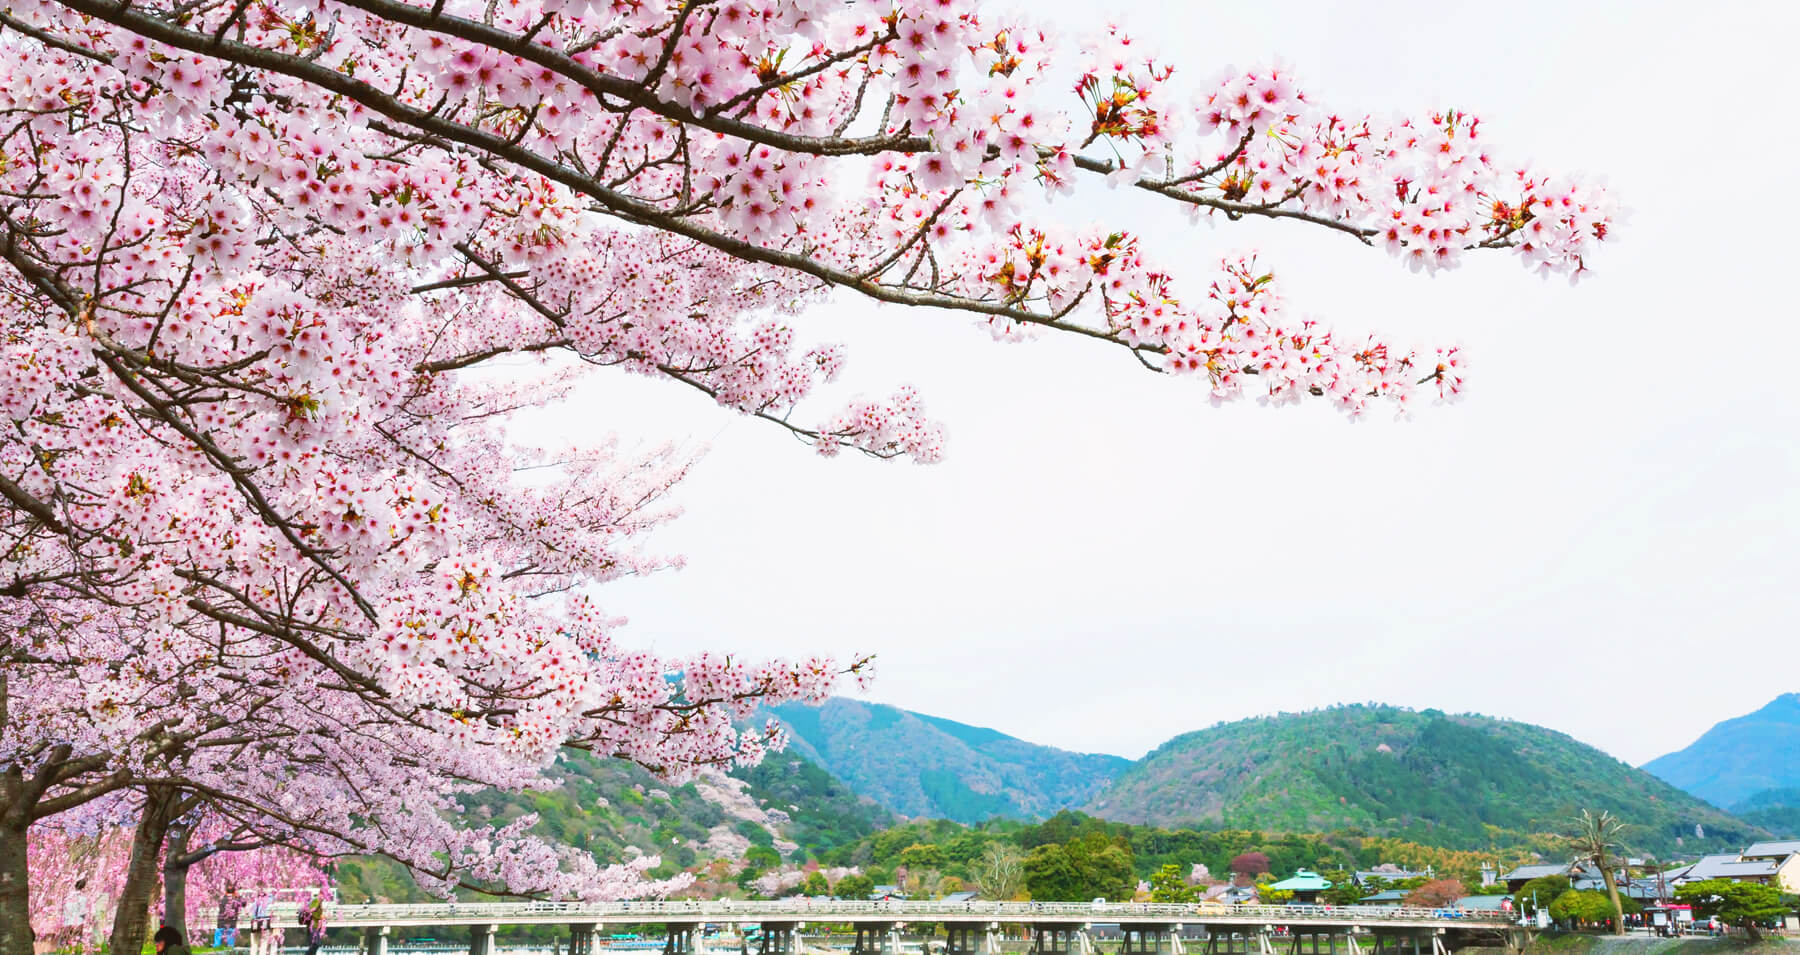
(1060, 940)
(1146, 940)
(874, 938)
(375, 940)
(776, 938)
(679, 938)
(481, 940)
(581, 938)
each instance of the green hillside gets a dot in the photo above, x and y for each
(919, 765)
(1456, 781)
(1741, 757)
(608, 807)
(1777, 810)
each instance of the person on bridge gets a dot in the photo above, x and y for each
(312, 919)
(262, 921)
(230, 904)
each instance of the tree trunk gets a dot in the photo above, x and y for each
(174, 877)
(15, 892)
(131, 923)
(1612, 893)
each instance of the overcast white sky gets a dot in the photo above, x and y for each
(1602, 538)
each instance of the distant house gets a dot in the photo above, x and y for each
(1485, 903)
(1389, 873)
(1385, 897)
(1305, 884)
(1230, 894)
(1768, 863)
(1526, 873)
(956, 897)
(887, 893)
(1786, 856)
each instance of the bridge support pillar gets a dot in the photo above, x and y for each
(964, 938)
(679, 938)
(481, 940)
(1057, 939)
(581, 939)
(375, 940)
(1144, 940)
(874, 938)
(776, 938)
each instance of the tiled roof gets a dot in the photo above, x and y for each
(1782, 849)
(1729, 867)
(1536, 871)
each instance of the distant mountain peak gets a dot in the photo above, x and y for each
(1739, 757)
(919, 765)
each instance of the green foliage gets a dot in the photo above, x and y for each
(1088, 867)
(1734, 903)
(1462, 782)
(815, 884)
(922, 855)
(1344, 890)
(1169, 884)
(1270, 896)
(854, 887)
(1577, 905)
(1541, 891)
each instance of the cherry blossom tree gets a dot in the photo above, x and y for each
(263, 524)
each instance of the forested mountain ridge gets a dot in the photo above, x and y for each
(783, 809)
(1461, 781)
(1739, 758)
(926, 766)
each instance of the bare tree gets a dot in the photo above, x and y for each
(1594, 840)
(1000, 872)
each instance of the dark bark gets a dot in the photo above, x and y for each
(131, 925)
(15, 894)
(176, 863)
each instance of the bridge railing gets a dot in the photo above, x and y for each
(822, 910)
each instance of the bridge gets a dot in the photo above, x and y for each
(970, 928)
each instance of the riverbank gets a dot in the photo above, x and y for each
(1581, 944)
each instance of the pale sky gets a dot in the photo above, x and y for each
(1603, 538)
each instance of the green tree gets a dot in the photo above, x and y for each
(1594, 839)
(815, 884)
(1272, 896)
(1583, 905)
(1086, 867)
(858, 887)
(1744, 904)
(1542, 890)
(1169, 884)
(926, 855)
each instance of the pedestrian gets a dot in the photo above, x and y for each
(226, 929)
(262, 921)
(312, 919)
(73, 925)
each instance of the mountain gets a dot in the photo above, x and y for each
(1740, 757)
(919, 765)
(1777, 810)
(1455, 781)
(613, 808)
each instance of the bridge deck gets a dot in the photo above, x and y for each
(1323, 917)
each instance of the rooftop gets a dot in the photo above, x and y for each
(1729, 867)
(1303, 880)
(1773, 850)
